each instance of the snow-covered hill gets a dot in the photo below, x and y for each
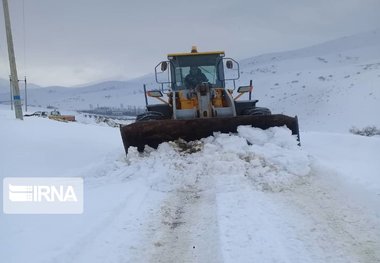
(331, 86)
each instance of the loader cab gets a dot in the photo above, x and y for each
(197, 85)
(212, 64)
(208, 64)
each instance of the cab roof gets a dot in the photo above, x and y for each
(196, 54)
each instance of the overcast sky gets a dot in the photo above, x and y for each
(72, 42)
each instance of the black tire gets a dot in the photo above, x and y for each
(257, 111)
(140, 149)
(150, 115)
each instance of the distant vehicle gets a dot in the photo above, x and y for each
(43, 114)
(56, 115)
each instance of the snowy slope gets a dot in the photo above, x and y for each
(229, 201)
(331, 86)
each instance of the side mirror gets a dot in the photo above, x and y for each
(154, 93)
(164, 66)
(231, 69)
(229, 64)
(244, 89)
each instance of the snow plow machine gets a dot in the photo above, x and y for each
(198, 102)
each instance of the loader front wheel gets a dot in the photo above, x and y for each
(257, 111)
(150, 115)
(141, 148)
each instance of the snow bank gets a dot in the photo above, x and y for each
(275, 156)
(353, 159)
(270, 158)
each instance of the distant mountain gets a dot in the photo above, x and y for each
(330, 86)
(104, 94)
(4, 85)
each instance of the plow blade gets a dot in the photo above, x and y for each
(154, 132)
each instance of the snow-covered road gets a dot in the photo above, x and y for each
(216, 200)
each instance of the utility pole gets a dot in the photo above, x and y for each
(12, 63)
(26, 95)
(11, 92)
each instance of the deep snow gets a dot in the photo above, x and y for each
(219, 199)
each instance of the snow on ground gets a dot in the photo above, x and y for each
(355, 157)
(254, 196)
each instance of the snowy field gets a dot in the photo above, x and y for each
(219, 199)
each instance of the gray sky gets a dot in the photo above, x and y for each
(71, 42)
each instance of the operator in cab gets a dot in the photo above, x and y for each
(195, 77)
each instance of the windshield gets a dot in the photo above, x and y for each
(184, 72)
(192, 70)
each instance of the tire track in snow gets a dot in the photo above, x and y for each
(337, 221)
(86, 241)
(309, 222)
(188, 227)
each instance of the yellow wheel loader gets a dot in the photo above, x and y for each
(198, 102)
